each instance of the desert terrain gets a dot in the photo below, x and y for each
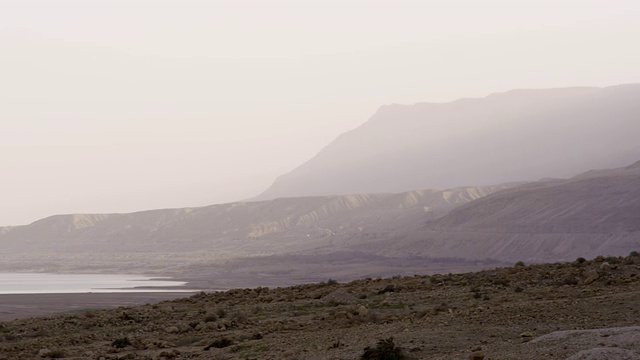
(585, 309)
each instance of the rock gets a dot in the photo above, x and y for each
(44, 352)
(362, 311)
(169, 354)
(172, 330)
(591, 276)
(476, 355)
(526, 336)
(341, 315)
(340, 297)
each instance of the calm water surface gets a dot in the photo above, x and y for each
(34, 283)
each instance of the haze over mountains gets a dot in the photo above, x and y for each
(595, 213)
(519, 135)
(376, 229)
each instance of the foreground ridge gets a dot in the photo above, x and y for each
(517, 312)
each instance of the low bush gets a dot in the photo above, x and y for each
(219, 344)
(121, 343)
(384, 350)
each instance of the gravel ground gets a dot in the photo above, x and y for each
(518, 312)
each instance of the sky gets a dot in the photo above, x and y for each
(119, 106)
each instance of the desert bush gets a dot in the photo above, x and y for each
(384, 350)
(221, 313)
(388, 288)
(612, 260)
(56, 354)
(239, 316)
(121, 343)
(219, 343)
(519, 264)
(579, 262)
(211, 318)
(571, 280)
(634, 254)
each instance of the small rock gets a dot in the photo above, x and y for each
(591, 276)
(44, 352)
(362, 311)
(341, 315)
(172, 330)
(476, 355)
(340, 297)
(526, 336)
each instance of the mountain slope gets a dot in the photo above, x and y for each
(241, 229)
(520, 135)
(595, 205)
(597, 212)
(594, 213)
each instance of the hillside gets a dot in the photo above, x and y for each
(292, 240)
(597, 212)
(519, 135)
(164, 239)
(586, 309)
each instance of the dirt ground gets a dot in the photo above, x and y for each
(516, 312)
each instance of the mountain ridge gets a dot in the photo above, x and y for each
(234, 224)
(518, 135)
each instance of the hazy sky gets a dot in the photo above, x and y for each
(118, 106)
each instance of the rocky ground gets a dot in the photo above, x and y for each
(518, 312)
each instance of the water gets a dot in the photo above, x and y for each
(36, 283)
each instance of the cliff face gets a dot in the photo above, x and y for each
(520, 135)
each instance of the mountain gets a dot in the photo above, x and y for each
(519, 135)
(158, 238)
(597, 212)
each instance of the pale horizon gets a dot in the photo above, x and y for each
(115, 107)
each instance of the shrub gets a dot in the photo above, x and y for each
(384, 350)
(332, 282)
(121, 343)
(221, 313)
(55, 354)
(211, 318)
(388, 288)
(571, 280)
(519, 264)
(579, 262)
(219, 344)
(634, 254)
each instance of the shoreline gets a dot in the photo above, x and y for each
(20, 306)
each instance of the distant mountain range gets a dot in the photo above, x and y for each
(519, 135)
(595, 213)
(377, 228)
(253, 228)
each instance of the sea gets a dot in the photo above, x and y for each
(47, 283)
